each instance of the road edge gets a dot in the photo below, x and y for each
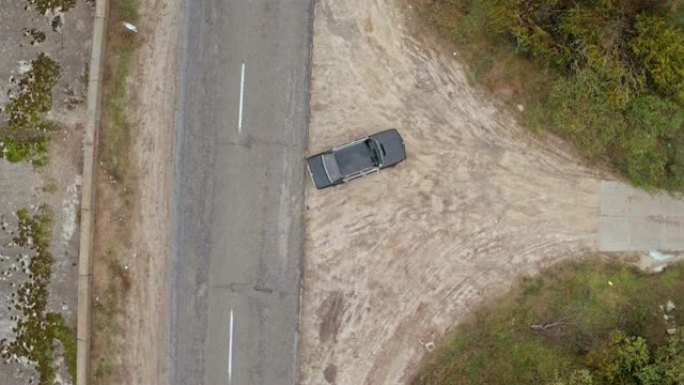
(301, 263)
(84, 317)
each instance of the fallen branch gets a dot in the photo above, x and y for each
(547, 326)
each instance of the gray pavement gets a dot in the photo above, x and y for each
(239, 191)
(635, 220)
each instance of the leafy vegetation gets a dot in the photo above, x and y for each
(607, 75)
(38, 330)
(577, 325)
(25, 133)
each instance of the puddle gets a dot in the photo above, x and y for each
(655, 261)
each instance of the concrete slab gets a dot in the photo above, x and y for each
(613, 199)
(614, 233)
(673, 207)
(644, 234)
(671, 236)
(636, 220)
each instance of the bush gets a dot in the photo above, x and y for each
(659, 47)
(614, 74)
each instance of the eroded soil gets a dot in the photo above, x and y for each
(395, 259)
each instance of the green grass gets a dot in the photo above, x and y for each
(127, 10)
(498, 345)
(115, 135)
(115, 130)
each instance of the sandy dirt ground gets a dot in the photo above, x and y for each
(394, 260)
(155, 82)
(142, 338)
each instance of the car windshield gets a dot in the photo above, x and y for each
(376, 155)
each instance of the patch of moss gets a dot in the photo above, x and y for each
(42, 6)
(38, 330)
(24, 135)
(37, 36)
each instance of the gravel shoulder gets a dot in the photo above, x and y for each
(393, 260)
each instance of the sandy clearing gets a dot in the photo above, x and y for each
(395, 259)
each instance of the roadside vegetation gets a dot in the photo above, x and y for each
(115, 132)
(112, 234)
(107, 313)
(38, 331)
(607, 75)
(24, 129)
(579, 324)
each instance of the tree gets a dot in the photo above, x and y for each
(659, 47)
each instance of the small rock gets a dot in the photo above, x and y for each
(57, 23)
(671, 331)
(670, 305)
(521, 108)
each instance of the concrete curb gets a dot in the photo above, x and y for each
(83, 328)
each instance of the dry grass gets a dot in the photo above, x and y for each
(114, 195)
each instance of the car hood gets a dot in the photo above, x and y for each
(392, 147)
(317, 171)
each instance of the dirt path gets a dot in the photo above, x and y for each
(393, 260)
(154, 85)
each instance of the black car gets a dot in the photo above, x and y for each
(356, 159)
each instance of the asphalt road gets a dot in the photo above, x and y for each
(239, 192)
